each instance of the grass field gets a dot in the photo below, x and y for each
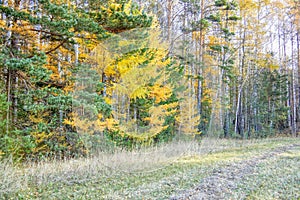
(210, 169)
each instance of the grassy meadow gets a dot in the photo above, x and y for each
(163, 172)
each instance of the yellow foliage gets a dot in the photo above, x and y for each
(266, 61)
(127, 7)
(212, 40)
(2, 23)
(156, 121)
(198, 35)
(35, 119)
(40, 136)
(129, 77)
(112, 124)
(1, 154)
(160, 93)
(108, 100)
(207, 96)
(247, 4)
(140, 92)
(110, 70)
(69, 87)
(278, 4)
(86, 126)
(69, 122)
(170, 105)
(39, 117)
(188, 119)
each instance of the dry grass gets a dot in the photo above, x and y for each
(108, 165)
(129, 161)
(11, 178)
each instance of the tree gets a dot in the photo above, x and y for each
(42, 45)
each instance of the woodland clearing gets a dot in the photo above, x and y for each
(209, 169)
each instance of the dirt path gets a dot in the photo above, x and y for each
(223, 181)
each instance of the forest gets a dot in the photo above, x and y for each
(79, 76)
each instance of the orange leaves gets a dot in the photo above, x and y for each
(160, 93)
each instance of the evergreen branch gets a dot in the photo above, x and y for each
(62, 43)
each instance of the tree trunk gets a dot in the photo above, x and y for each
(8, 88)
(298, 68)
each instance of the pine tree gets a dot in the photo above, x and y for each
(42, 45)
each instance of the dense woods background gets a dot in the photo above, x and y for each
(83, 75)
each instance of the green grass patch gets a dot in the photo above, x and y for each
(278, 178)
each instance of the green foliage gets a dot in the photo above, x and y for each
(170, 121)
(234, 18)
(3, 110)
(117, 18)
(220, 3)
(217, 48)
(214, 18)
(228, 5)
(136, 140)
(272, 113)
(58, 99)
(41, 98)
(17, 145)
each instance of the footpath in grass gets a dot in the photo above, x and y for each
(234, 169)
(269, 175)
